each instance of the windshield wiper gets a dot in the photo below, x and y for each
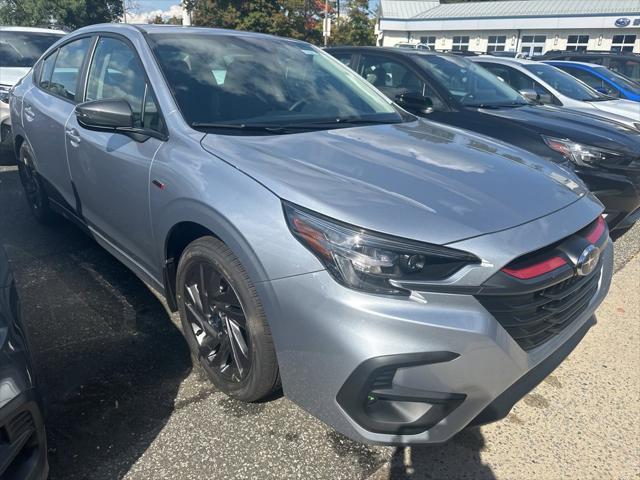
(282, 128)
(496, 106)
(604, 98)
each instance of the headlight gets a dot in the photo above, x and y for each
(583, 155)
(370, 261)
(4, 94)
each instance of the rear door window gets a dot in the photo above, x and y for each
(66, 71)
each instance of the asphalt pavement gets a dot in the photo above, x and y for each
(124, 400)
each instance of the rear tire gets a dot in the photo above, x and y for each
(33, 187)
(224, 322)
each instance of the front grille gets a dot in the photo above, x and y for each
(535, 317)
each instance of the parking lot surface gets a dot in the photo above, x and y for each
(125, 402)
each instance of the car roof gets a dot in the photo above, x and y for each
(579, 64)
(133, 28)
(31, 30)
(504, 60)
(394, 50)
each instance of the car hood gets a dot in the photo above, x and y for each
(416, 180)
(581, 127)
(624, 108)
(10, 75)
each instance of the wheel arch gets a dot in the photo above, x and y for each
(183, 232)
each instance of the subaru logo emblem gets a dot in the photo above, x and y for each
(588, 260)
(623, 22)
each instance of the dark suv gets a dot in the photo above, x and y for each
(23, 444)
(455, 91)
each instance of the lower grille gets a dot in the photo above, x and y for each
(534, 318)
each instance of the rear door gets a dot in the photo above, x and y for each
(111, 170)
(46, 109)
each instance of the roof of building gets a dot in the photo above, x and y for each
(405, 8)
(430, 10)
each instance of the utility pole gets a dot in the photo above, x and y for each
(124, 10)
(327, 24)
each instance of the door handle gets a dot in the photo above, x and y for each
(74, 136)
(28, 113)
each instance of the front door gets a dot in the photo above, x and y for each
(111, 170)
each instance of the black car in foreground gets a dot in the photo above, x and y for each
(23, 445)
(453, 90)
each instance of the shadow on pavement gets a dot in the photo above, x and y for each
(456, 460)
(107, 355)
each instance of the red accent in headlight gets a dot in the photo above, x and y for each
(596, 232)
(536, 270)
(315, 239)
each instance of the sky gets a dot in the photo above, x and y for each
(148, 9)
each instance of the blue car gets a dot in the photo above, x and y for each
(602, 79)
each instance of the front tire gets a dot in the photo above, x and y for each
(224, 322)
(33, 187)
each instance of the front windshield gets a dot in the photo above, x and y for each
(220, 81)
(565, 83)
(621, 80)
(470, 84)
(22, 49)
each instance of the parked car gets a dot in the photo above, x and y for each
(550, 85)
(601, 79)
(20, 47)
(625, 63)
(507, 54)
(457, 92)
(416, 46)
(309, 231)
(23, 444)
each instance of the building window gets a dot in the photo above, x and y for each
(623, 43)
(577, 43)
(496, 43)
(460, 43)
(429, 41)
(533, 45)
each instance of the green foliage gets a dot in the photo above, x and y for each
(357, 28)
(69, 13)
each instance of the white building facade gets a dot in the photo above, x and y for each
(530, 26)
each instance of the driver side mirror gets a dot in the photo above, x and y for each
(113, 115)
(415, 103)
(530, 94)
(109, 115)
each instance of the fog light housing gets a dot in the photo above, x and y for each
(371, 399)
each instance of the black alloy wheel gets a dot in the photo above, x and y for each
(217, 321)
(224, 322)
(35, 193)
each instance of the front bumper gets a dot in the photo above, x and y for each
(620, 195)
(448, 350)
(23, 443)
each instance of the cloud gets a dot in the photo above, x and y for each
(146, 17)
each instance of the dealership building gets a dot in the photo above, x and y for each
(529, 26)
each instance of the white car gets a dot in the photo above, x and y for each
(20, 48)
(550, 85)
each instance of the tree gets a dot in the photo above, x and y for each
(68, 13)
(357, 28)
(288, 18)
